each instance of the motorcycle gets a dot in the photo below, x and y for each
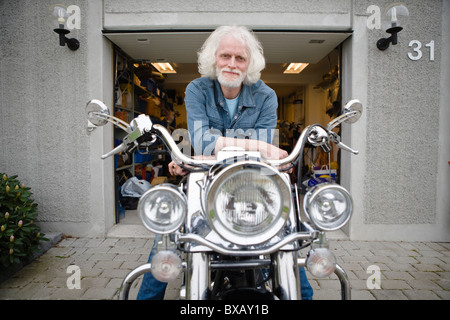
(234, 225)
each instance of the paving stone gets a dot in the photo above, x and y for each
(9, 293)
(359, 285)
(105, 264)
(374, 259)
(423, 284)
(404, 260)
(395, 284)
(444, 266)
(408, 270)
(100, 294)
(329, 284)
(445, 245)
(109, 242)
(103, 256)
(114, 283)
(94, 243)
(362, 295)
(381, 266)
(389, 295)
(444, 295)
(363, 275)
(130, 265)
(421, 275)
(360, 252)
(327, 294)
(421, 295)
(431, 253)
(355, 266)
(90, 272)
(131, 243)
(314, 284)
(58, 283)
(444, 274)
(67, 294)
(89, 282)
(121, 250)
(96, 250)
(398, 275)
(427, 267)
(127, 257)
(80, 243)
(444, 284)
(28, 291)
(115, 273)
(401, 267)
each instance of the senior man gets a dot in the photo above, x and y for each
(228, 106)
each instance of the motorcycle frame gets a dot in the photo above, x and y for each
(285, 263)
(198, 249)
(198, 264)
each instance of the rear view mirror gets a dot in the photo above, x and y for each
(351, 113)
(97, 112)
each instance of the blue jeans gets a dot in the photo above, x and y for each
(152, 289)
(305, 287)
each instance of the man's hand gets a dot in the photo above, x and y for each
(267, 150)
(271, 152)
(176, 170)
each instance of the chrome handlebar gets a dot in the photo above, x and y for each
(317, 135)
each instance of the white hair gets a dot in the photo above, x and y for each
(207, 54)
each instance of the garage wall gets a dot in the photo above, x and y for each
(397, 180)
(43, 92)
(400, 180)
(191, 14)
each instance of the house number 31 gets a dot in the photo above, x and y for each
(417, 46)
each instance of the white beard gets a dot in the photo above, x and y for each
(230, 83)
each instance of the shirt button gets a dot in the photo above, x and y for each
(235, 117)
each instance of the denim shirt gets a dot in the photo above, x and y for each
(207, 114)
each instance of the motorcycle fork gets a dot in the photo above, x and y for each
(197, 276)
(286, 281)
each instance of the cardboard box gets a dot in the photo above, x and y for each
(158, 180)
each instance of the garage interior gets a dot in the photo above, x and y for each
(311, 96)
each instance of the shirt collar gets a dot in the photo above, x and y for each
(246, 96)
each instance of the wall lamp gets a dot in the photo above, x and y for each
(59, 14)
(393, 11)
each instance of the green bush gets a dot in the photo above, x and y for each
(19, 235)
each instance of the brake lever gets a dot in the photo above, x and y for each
(121, 147)
(337, 141)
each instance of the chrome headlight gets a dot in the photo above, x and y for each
(162, 209)
(247, 203)
(328, 206)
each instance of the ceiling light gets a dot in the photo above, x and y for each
(295, 67)
(163, 67)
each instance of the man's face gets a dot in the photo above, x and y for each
(232, 61)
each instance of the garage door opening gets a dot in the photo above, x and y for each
(312, 96)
